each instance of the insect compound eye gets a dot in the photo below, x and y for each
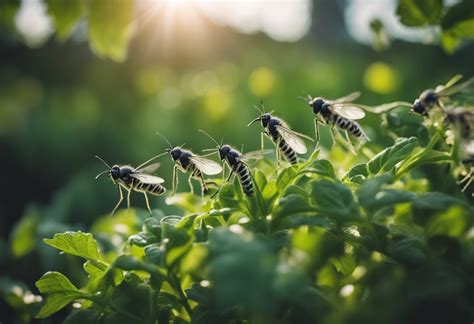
(265, 119)
(175, 153)
(223, 151)
(419, 108)
(317, 105)
(115, 172)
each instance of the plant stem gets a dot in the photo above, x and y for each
(176, 284)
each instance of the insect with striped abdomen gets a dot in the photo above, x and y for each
(340, 113)
(237, 163)
(287, 141)
(461, 118)
(135, 179)
(187, 161)
(431, 98)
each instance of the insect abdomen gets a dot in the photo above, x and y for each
(346, 124)
(245, 178)
(151, 188)
(195, 172)
(287, 151)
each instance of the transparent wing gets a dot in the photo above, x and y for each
(348, 111)
(349, 98)
(449, 91)
(147, 178)
(453, 80)
(150, 168)
(206, 166)
(389, 106)
(293, 139)
(254, 155)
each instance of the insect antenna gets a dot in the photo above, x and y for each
(212, 138)
(103, 172)
(305, 97)
(166, 140)
(149, 160)
(102, 160)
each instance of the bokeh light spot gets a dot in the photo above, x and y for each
(217, 103)
(202, 82)
(262, 81)
(147, 82)
(381, 78)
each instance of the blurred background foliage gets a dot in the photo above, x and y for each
(79, 78)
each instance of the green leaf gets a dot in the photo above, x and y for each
(60, 292)
(227, 197)
(459, 20)
(143, 239)
(438, 201)
(133, 298)
(453, 222)
(321, 167)
(76, 243)
(65, 15)
(420, 157)
(345, 264)
(110, 27)
(292, 204)
(419, 12)
(285, 178)
(23, 237)
(83, 315)
(334, 199)
(407, 250)
(270, 190)
(319, 244)
(358, 173)
(389, 157)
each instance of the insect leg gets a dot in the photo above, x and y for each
(147, 203)
(262, 134)
(333, 135)
(351, 146)
(175, 180)
(218, 190)
(277, 152)
(471, 178)
(128, 197)
(467, 179)
(190, 183)
(316, 130)
(230, 175)
(120, 199)
(204, 189)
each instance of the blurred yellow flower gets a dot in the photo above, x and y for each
(262, 81)
(381, 78)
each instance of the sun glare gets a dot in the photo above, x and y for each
(283, 20)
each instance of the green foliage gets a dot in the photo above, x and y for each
(419, 12)
(23, 236)
(306, 241)
(110, 27)
(456, 21)
(60, 292)
(66, 15)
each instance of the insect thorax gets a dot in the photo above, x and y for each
(272, 127)
(232, 158)
(125, 174)
(429, 97)
(184, 159)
